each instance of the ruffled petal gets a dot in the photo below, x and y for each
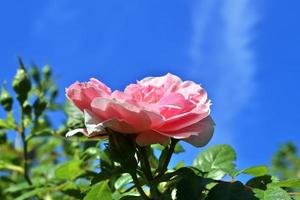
(169, 82)
(122, 111)
(82, 94)
(151, 137)
(174, 104)
(94, 126)
(75, 131)
(202, 132)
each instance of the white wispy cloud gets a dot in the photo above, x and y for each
(222, 55)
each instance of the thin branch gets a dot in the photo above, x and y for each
(168, 158)
(142, 153)
(138, 186)
(145, 163)
(25, 149)
(294, 193)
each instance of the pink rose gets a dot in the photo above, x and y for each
(153, 110)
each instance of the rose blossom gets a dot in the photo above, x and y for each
(153, 110)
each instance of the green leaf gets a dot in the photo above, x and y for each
(178, 149)
(105, 161)
(3, 124)
(191, 185)
(272, 193)
(3, 137)
(103, 175)
(76, 193)
(91, 152)
(131, 197)
(290, 183)
(9, 122)
(158, 147)
(5, 99)
(123, 181)
(99, 191)
(179, 165)
(32, 193)
(260, 182)
(230, 191)
(35, 73)
(75, 116)
(216, 161)
(8, 166)
(23, 186)
(47, 71)
(254, 171)
(69, 170)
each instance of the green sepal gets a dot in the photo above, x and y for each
(21, 85)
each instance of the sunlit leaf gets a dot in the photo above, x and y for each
(69, 170)
(216, 161)
(254, 171)
(122, 181)
(290, 183)
(272, 193)
(99, 191)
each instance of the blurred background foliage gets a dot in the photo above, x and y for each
(39, 149)
(40, 163)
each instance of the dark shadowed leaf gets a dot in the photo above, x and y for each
(259, 182)
(191, 186)
(230, 191)
(32, 193)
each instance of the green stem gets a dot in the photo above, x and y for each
(145, 163)
(25, 149)
(167, 159)
(138, 186)
(147, 171)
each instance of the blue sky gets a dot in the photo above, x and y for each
(244, 52)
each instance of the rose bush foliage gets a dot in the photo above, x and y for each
(128, 140)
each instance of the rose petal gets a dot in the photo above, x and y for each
(174, 104)
(112, 109)
(169, 82)
(204, 130)
(100, 86)
(92, 124)
(82, 94)
(156, 119)
(186, 132)
(151, 137)
(84, 132)
(75, 131)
